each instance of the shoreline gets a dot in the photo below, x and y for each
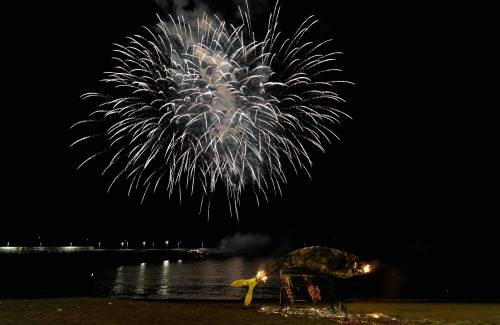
(373, 300)
(110, 311)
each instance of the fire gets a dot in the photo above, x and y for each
(375, 315)
(366, 268)
(261, 276)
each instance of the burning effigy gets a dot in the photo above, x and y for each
(306, 264)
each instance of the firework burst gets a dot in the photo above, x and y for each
(191, 106)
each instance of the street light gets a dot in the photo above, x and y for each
(166, 244)
(143, 244)
(178, 244)
(122, 243)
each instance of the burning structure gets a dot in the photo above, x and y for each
(307, 265)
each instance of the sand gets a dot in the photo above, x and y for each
(122, 311)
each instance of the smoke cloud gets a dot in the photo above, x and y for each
(188, 8)
(257, 7)
(191, 9)
(246, 244)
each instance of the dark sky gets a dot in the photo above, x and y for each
(415, 173)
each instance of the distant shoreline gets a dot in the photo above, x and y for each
(71, 249)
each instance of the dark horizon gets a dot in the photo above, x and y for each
(413, 181)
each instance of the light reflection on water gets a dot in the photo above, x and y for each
(139, 288)
(164, 283)
(198, 279)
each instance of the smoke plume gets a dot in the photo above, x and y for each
(246, 244)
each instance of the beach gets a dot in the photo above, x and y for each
(108, 311)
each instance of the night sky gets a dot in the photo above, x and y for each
(414, 180)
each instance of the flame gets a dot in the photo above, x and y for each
(261, 276)
(367, 268)
(375, 315)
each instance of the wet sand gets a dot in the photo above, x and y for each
(122, 311)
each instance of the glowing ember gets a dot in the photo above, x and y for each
(261, 276)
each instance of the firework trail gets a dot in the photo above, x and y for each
(192, 105)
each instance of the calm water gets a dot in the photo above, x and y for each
(195, 279)
(144, 277)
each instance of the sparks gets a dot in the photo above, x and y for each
(189, 106)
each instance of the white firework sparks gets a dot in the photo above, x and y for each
(193, 105)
